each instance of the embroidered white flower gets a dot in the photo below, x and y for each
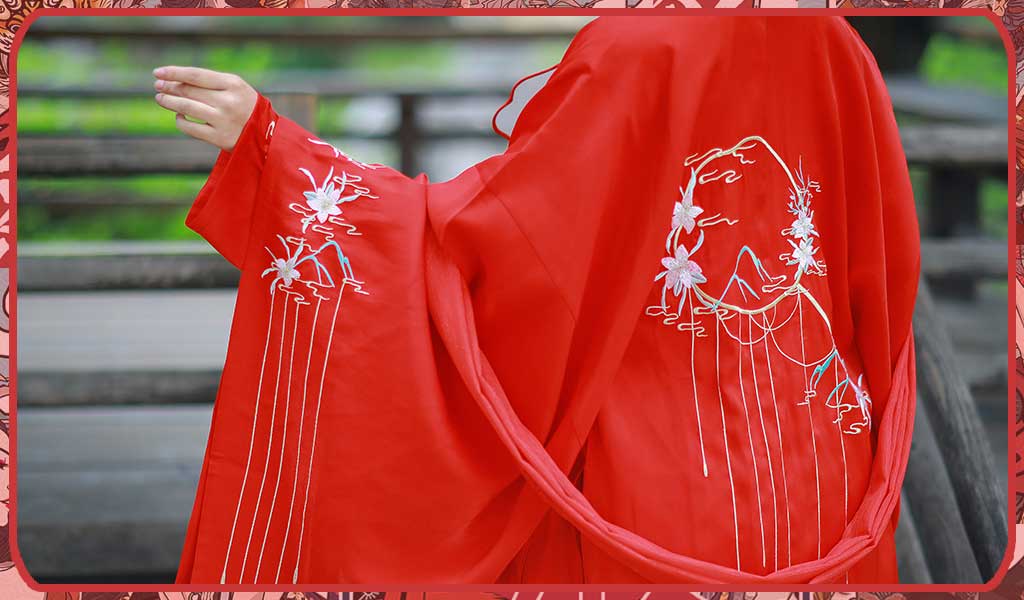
(285, 270)
(685, 213)
(681, 271)
(803, 254)
(863, 400)
(325, 200)
(802, 227)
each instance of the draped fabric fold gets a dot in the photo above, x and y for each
(663, 337)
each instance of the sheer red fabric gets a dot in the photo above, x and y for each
(664, 337)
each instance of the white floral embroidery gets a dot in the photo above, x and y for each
(803, 254)
(685, 213)
(283, 269)
(681, 271)
(802, 227)
(286, 270)
(325, 201)
(747, 308)
(863, 403)
(308, 260)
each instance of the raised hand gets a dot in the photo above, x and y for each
(216, 104)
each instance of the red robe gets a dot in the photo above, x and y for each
(665, 336)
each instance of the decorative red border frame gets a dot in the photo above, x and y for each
(1006, 15)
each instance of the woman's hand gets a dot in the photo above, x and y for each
(222, 102)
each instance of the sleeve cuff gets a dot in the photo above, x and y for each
(229, 194)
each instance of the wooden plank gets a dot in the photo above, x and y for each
(127, 155)
(114, 439)
(113, 266)
(950, 411)
(913, 96)
(58, 156)
(980, 334)
(106, 493)
(107, 553)
(960, 145)
(930, 496)
(909, 550)
(107, 388)
(971, 256)
(179, 331)
(55, 156)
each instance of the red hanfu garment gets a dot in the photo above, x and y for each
(663, 337)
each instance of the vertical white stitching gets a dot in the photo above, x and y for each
(753, 454)
(252, 438)
(782, 453)
(809, 393)
(696, 405)
(684, 278)
(298, 446)
(320, 214)
(270, 442)
(316, 429)
(764, 434)
(725, 438)
(284, 435)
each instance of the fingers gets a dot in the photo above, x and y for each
(197, 76)
(185, 90)
(187, 106)
(200, 131)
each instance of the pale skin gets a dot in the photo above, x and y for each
(209, 106)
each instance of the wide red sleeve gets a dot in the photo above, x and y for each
(563, 246)
(874, 245)
(223, 210)
(325, 387)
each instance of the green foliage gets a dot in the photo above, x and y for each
(994, 199)
(138, 222)
(965, 62)
(38, 223)
(88, 116)
(114, 63)
(145, 187)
